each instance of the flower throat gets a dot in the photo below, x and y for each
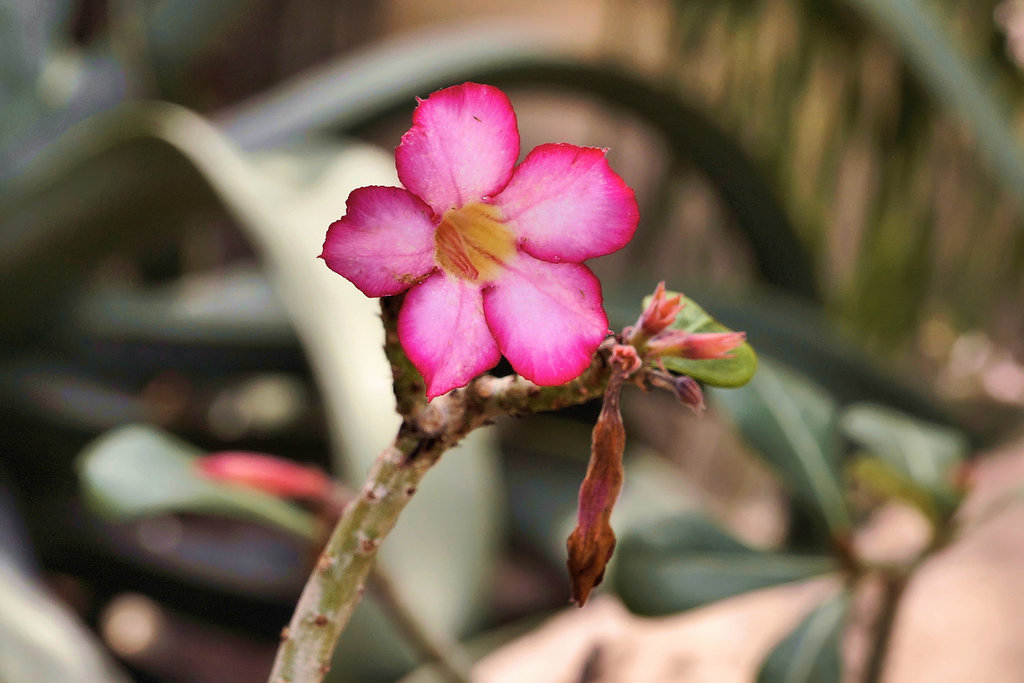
(472, 243)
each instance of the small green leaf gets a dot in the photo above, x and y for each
(811, 653)
(721, 372)
(136, 471)
(686, 561)
(793, 423)
(924, 453)
(886, 481)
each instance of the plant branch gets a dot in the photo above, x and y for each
(891, 594)
(449, 657)
(428, 429)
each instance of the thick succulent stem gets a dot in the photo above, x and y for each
(428, 430)
(339, 577)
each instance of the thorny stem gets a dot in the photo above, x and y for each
(449, 658)
(428, 430)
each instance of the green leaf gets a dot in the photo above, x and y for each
(41, 640)
(925, 453)
(137, 471)
(686, 561)
(720, 372)
(811, 653)
(793, 423)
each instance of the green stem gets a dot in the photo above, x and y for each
(451, 660)
(428, 430)
(338, 579)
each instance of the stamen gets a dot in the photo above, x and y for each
(473, 243)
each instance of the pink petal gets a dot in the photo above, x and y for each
(567, 204)
(384, 243)
(547, 318)
(461, 148)
(442, 329)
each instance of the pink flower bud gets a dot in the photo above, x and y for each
(625, 359)
(266, 473)
(698, 346)
(659, 314)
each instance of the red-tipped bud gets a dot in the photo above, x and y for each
(267, 473)
(659, 314)
(698, 346)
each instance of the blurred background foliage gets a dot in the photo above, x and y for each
(894, 177)
(842, 179)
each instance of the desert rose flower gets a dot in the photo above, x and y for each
(490, 253)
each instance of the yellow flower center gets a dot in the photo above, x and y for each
(473, 243)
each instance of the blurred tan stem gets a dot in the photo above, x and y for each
(450, 659)
(893, 591)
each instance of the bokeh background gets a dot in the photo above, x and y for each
(840, 178)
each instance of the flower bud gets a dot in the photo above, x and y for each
(685, 388)
(659, 314)
(592, 542)
(267, 473)
(697, 346)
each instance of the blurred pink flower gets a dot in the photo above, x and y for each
(491, 253)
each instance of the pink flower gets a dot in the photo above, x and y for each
(491, 253)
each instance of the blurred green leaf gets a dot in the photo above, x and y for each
(40, 640)
(884, 480)
(811, 653)
(923, 452)
(104, 188)
(960, 84)
(686, 561)
(793, 423)
(910, 460)
(723, 372)
(31, 29)
(137, 471)
(802, 337)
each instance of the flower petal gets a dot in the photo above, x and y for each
(442, 329)
(547, 318)
(461, 148)
(566, 204)
(384, 243)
